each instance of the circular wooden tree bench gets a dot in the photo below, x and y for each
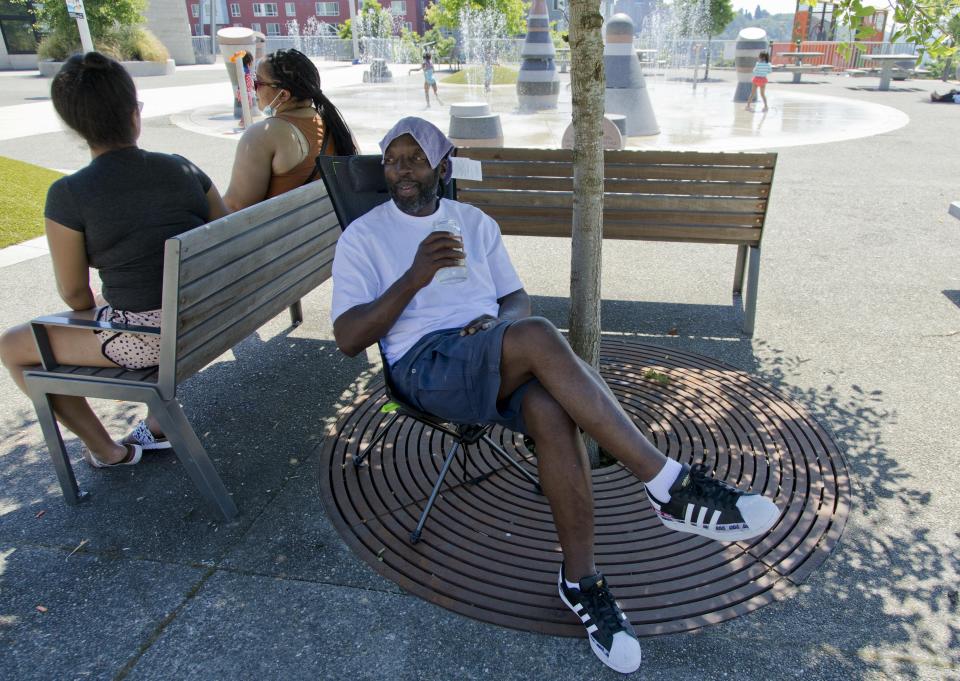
(490, 550)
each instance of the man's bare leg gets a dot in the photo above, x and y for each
(533, 348)
(564, 476)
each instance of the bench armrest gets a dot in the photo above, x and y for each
(42, 338)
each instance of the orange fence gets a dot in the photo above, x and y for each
(832, 55)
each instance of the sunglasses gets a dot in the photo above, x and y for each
(257, 84)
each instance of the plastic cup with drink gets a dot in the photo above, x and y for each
(455, 273)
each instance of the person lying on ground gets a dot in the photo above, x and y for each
(951, 97)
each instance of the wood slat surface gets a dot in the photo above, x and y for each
(755, 159)
(240, 271)
(635, 203)
(234, 322)
(489, 550)
(215, 233)
(240, 279)
(615, 185)
(637, 172)
(648, 195)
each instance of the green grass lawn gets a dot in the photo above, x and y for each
(23, 190)
(501, 76)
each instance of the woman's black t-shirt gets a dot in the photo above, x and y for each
(127, 202)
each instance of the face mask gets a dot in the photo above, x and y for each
(268, 110)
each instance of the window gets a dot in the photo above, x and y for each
(234, 9)
(328, 9)
(16, 28)
(273, 29)
(196, 29)
(398, 8)
(18, 35)
(265, 9)
(408, 25)
(255, 26)
(290, 9)
(195, 10)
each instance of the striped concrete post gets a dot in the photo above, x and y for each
(626, 91)
(750, 43)
(538, 85)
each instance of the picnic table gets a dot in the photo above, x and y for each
(887, 62)
(798, 67)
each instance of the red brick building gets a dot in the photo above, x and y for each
(272, 18)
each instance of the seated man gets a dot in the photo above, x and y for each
(470, 352)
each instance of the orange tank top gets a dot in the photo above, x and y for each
(313, 132)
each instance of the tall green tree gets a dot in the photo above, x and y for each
(445, 14)
(924, 23)
(102, 15)
(377, 22)
(704, 18)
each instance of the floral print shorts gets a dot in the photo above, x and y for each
(129, 350)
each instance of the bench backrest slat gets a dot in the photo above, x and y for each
(628, 157)
(224, 280)
(700, 187)
(651, 195)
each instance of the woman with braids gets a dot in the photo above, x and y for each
(278, 154)
(114, 216)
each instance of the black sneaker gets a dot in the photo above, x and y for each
(611, 635)
(703, 505)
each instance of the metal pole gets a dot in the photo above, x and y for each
(353, 31)
(213, 28)
(75, 10)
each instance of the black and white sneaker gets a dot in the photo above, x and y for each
(703, 505)
(611, 635)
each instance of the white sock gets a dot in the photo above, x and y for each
(571, 585)
(659, 487)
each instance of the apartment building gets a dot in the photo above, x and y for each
(273, 18)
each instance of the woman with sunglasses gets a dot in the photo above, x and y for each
(279, 153)
(114, 215)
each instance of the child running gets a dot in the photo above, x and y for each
(428, 79)
(761, 70)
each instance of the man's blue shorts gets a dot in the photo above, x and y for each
(458, 377)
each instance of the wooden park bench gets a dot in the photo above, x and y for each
(715, 198)
(221, 282)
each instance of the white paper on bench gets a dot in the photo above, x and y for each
(466, 169)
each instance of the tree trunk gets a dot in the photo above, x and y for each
(587, 80)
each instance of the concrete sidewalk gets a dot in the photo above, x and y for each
(858, 320)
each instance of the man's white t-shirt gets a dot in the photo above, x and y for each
(376, 250)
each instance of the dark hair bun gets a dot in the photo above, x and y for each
(95, 60)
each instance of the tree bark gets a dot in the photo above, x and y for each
(588, 81)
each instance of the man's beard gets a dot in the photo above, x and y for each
(425, 196)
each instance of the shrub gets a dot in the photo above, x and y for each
(123, 43)
(58, 45)
(135, 43)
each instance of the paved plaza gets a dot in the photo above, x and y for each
(858, 321)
